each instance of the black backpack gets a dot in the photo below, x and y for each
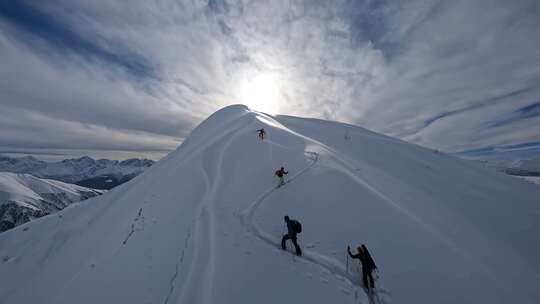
(296, 226)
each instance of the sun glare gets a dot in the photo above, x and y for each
(261, 93)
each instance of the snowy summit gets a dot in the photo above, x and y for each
(204, 225)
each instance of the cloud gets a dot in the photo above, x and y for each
(36, 24)
(74, 135)
(451, 75)
(527, 112)
(521, 151)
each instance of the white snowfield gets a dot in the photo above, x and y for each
(204, 224)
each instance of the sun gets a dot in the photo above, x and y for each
(261, 93)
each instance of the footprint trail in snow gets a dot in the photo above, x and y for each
(330, 264)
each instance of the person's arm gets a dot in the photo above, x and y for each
(349, 252)
(355, 256)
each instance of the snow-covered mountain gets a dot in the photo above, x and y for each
(84, 171)
(522, 167)
(24, 197)
(204, 224)
(532, 179)
(525, 169)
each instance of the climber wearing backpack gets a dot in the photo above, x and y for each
(280, 173)
(368, 265)
(261, 134)
(293, 228)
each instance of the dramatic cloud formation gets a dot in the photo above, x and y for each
(137, 76)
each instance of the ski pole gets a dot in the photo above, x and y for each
(347, 254)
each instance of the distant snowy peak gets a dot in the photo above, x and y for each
(137, 162)
(526, 164)
(84, 171)
(24, 197)
(522, 167)
(86, 161)
(20, 164)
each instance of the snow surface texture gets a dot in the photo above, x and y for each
(203, 225)
(84, 171)
(24, 197)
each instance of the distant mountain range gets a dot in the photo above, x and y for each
(24, 197)
(84, 171)
(524, 167)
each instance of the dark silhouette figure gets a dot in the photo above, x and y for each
(280, 173)
(261, 134)
(368, 265)
(293, 228)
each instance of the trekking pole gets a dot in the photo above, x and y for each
(347, 254)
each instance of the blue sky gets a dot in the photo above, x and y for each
(117, 79)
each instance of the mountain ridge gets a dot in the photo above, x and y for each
(24, 197)
(84, 171)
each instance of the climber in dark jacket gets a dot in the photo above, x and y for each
(261, 134)
(292, 230)
(368, 265)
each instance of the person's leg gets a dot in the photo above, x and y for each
(298, 250)
(283, 240)
(365, 277)
(370, 274)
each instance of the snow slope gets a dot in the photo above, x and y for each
(203, 225)
(24, 197)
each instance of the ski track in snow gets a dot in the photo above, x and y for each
(205, 224)
(138, 219)
(177, 266)
(330, 264)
